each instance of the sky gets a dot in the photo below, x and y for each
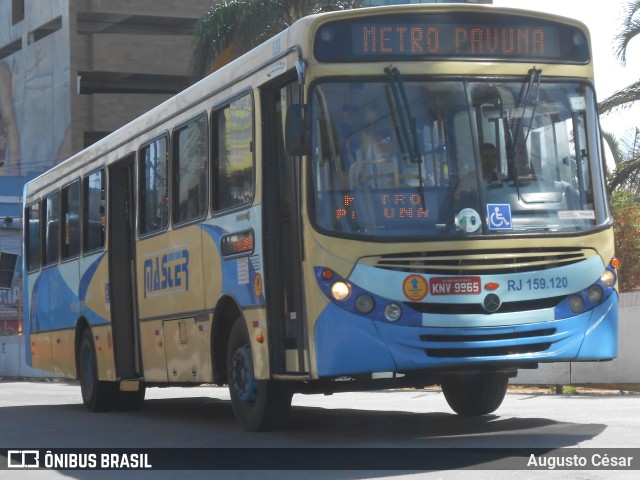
(603, 20)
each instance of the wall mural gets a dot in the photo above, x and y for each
(35, 105)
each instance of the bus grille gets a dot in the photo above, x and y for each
(476, 308)
(481, 262)
(487, 352)
(476, 349)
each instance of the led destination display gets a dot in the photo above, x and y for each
(453, 36)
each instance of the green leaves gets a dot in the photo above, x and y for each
(233, 27)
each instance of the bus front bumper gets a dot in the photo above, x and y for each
(349, 344)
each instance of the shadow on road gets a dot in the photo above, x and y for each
(346, 438)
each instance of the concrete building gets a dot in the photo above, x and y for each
(72, 71)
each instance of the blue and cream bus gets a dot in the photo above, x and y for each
(384, 197)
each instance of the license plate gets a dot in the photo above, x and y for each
(455, 286)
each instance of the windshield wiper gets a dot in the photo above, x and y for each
(407, 125)
(527, 100)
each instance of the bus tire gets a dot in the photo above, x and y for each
(97, 395)
(258, 405)
(475, 395)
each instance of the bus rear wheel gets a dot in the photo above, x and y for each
(258, 405)
(97, 395)
(475, 395)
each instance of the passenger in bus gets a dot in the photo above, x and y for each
(489, 158)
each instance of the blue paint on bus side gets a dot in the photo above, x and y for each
(55, 305)
(87, 277)
(243, 292)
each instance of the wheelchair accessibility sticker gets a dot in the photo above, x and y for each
(499, 216)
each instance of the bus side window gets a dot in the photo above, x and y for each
(71, 220)
(190, 171)
(154, 187)
(32, 237)
(94, 214)
(52, 228)
(233, 171)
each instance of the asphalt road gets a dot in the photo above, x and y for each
(349, 429)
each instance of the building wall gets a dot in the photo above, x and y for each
(126, 58)
(34, 73)
(69, 67)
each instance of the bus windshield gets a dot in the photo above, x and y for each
(418, 159)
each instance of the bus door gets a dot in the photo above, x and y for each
(121, 269)
(282, 238)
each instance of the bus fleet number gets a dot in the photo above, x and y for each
(538, 284)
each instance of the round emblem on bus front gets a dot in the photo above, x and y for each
(415, 287)
(491, 303)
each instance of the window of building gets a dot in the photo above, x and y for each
(94, 218)
(190, 171)
(71, 220)
(233, 169)
(45, 30)
(10, 49)
(33, 238)
(17, 11)
(154, 187)
(92, 137)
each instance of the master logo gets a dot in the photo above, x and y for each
(166, 272)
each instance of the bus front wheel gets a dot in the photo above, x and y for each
(97, 395)
(257, 404)
(475, 395)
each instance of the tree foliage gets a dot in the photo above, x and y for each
(233, 27)
(627, 157)
(629, 30)
(627, 234)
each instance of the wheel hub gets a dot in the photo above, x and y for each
(243, 381)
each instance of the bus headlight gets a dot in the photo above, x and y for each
(392, 312)
(340, 291)
(576, 303)
(595, 294)
(608, 278)
(365, 304)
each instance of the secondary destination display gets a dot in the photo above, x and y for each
(453, 36)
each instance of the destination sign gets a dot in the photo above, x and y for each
(460, 35)
(388, 208)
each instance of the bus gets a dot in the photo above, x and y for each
(318, 216)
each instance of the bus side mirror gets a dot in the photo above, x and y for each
(296, 135)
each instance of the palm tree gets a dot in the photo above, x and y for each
(626, 153)
(626, 156)
(232, 27)
(630, 29)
